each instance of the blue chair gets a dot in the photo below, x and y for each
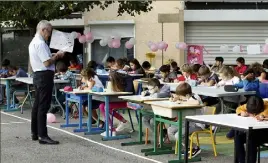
(263, 90)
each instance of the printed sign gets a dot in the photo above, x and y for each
(254, 49)
(195, 54)
(62, 41)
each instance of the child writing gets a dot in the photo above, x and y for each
(90, 79)
(136, 67)
(74, 66)
(166, 76)
(187, 74)
(174, 68)
(149, 70)
(184, 95)
(120, 82)
(110, 62)
(256, 108)
(208, 78)
(241, 67)
(155, 89)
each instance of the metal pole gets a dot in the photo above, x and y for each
(162, 40)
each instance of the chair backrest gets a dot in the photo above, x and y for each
(209, 110)
(263, 90)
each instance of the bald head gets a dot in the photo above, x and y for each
(44, 28)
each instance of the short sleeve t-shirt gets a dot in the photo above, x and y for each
(98, 83)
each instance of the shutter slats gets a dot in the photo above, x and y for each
(214, 34)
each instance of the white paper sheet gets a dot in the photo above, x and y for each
(253, 49)
(62, 41)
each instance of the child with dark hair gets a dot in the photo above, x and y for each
(184, 95)
(149, 70)
(136, 67)
(174, 68)
(218, 64)
(110, 61)
(195, 68)
(241, 67)
(4, 68)
(265, 67)
(92, 64)
(64, 74)
(249, 82)
(74, 65)
(255, 108)
(167, 77)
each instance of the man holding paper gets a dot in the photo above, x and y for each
(43, 65)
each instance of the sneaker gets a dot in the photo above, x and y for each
(122, 126)
(104, 133)
(230, 134)
(195, 152)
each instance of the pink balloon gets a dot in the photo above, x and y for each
(166, 46)
(161, 45)
(128, 45)
(110, 44)
(265, 49)
(82, 39)
(154, 47)
(78, 34)
(51, 118)
(149, 44)
(181, 46)
(116, 43)
(89, 36)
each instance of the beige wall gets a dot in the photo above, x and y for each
(147, 29)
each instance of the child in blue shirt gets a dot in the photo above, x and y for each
(4, 68)
(250, 82)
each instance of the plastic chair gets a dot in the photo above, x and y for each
(263, 88)
(207, 111)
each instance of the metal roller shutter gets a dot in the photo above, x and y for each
(214, 34)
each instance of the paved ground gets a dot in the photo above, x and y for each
(16, 146)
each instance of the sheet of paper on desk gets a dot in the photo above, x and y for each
(61, 41)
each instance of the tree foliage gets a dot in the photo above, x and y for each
(28, 13)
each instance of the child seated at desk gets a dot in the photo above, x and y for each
(149, 70)
(120, 82)
(120, 65)
(187, 74)
(166, 76)
(3, 73)
(136, 67)
(74, 65)
(257, 108)
(250, 82)
(110, 62)
(15, 85)
(156, 90)
(175, 68)
(184, 95)
(241, 67)
(91, 79)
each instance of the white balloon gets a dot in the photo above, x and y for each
(236, 49)
(86, 31)
(103, 43)
(224, 48)
(132, 41)
(266, 41)
(74, 35)
(149, 44)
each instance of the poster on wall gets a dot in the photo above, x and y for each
(61, 41)
(195, 54)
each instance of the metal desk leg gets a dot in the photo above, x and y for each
(248, 145)
(80, 126)
(8, 108)
(108, 137)
(140, 141)
(57, 101)
(186, 140)
(90, 130)
(30, 99)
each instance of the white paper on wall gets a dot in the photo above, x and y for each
(254, 49)
(62, 41)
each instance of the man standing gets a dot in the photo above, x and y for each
(43, 65)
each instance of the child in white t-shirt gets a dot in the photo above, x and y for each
(184, 95)
(90, 79)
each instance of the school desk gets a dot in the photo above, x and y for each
(106, 97)
(76, 96)
(29, 82)
(141, 112)
(163, 110)
(6, 82)
(246, 124)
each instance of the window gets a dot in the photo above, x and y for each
(98, 52)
